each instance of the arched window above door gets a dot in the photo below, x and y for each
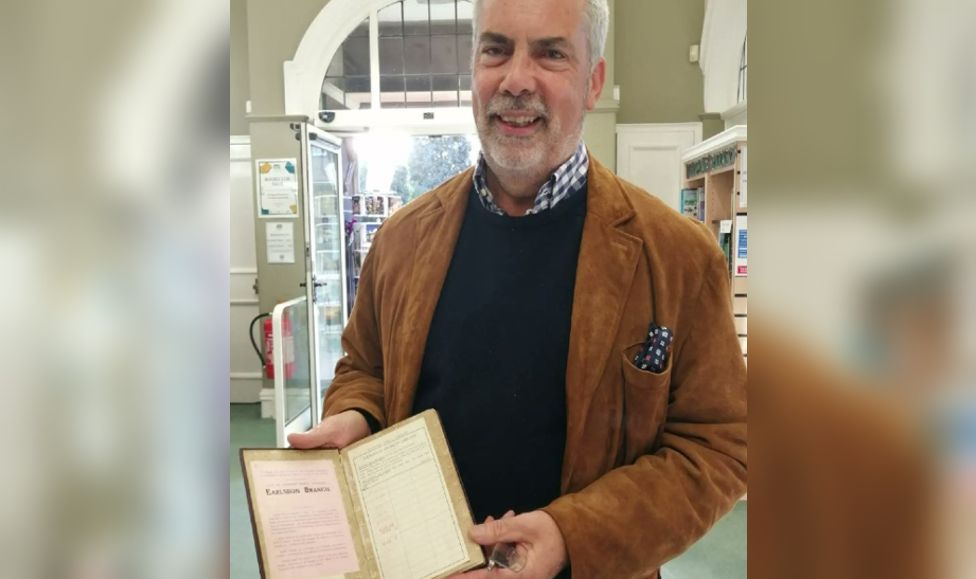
(406, 54)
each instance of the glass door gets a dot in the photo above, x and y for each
(292, 368)
(325, 258)
(391, 169)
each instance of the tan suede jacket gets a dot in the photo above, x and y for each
(652, 460)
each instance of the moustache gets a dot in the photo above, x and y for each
(533, 104)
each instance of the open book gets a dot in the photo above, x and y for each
(389, 506)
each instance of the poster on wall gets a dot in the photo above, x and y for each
(277, 188)
(280, 241)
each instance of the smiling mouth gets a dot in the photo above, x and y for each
(518, 120)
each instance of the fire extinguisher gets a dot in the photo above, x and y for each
(266, 353)
(268, 343)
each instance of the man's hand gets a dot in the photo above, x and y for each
(537, 538)
(336, 431)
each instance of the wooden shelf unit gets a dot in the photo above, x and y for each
(718, 166)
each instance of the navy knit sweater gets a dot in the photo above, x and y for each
(495, 360)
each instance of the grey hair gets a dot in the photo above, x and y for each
(597, 15)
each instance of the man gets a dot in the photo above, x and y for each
(513, 299)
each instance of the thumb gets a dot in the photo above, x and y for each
(506, 529)
(315, 438)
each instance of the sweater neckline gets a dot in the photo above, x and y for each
(574, 205)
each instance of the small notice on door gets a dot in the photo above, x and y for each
(277, 188)
(280, 237)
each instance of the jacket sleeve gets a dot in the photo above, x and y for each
(636, 517)
(358, 382)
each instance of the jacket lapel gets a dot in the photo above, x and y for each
(605, 269)
(436, 235)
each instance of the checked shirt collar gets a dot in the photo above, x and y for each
(567, 180)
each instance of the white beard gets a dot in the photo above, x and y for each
(532, 157)
(506, 153)
(517, 154)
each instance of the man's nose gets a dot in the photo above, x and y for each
(520, 75)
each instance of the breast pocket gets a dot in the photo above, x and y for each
(645, 404)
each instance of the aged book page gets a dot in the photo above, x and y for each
(388, 507)
(411, 502)
(302, 515)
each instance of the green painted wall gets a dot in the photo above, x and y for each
(600, 136)
(600, 125)
(239, 89)
(275, 29)
(657, 83)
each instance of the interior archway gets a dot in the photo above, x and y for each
(308, 89)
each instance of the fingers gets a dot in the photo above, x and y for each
(494, 531)
(528, 545)
(468, 575)
(335, 431)
(496, 573)
(485, 573)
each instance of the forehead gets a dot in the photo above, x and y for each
(528, 19)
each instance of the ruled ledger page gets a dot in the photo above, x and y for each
(405, 502)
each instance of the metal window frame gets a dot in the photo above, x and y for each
(375, 75)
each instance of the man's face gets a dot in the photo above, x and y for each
(532, 82)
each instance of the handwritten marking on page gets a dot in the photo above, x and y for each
(406, 505)
(303, 520)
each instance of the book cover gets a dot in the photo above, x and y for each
(725, 240)
(376, 205)
(689, 203)
(741, 245)
(390, 506)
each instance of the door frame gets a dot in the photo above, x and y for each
(245, 383)
(654, 136)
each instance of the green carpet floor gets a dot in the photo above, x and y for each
(720, 554)
(247, 430)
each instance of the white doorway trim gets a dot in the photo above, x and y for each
(303, 76)
(305, 71)
(245, 370)
(649, 155)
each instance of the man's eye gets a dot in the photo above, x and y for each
(555, 54)
(491, 51)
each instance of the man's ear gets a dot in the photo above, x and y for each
(595, 84)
